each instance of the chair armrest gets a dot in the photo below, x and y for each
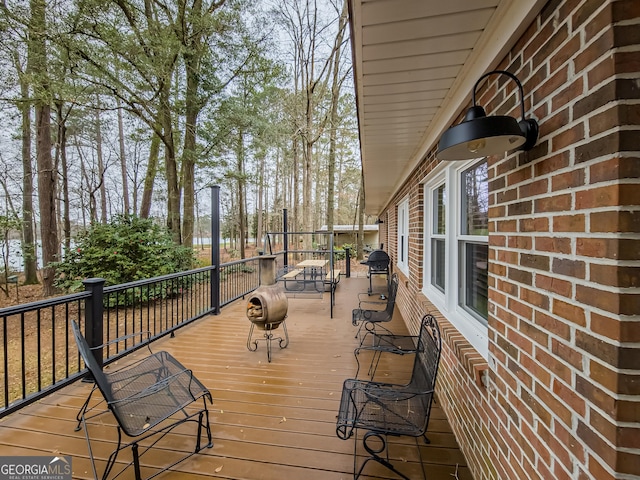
(365, 297)
(397, 344)
(127, 337)
(372, 305)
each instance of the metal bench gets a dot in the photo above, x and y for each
(383, 409)
(149, 397)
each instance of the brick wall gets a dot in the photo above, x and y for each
(563, 396)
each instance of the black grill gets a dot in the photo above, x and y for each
(378, 263)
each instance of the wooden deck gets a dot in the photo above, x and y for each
(269, 420)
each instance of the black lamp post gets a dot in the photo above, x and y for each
(479, 135)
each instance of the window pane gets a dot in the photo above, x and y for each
(439, 201)
(476, 278)
(475, 201)
(437, 263)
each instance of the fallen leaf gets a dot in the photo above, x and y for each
(217, 470)
(146, 425)
(284, 419)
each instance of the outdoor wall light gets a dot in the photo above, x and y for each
(378, 221)
(479, 136)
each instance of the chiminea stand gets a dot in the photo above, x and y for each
(268, 337)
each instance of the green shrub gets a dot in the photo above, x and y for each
(127, 249)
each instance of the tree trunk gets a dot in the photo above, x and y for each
(101, 172)
(261, 192)
(192, 109)
(336, 85)
(29, 255)
(173, 191)
(123, 162)
(241, 207)
(46, 175)
(62, 151)
(150, 176)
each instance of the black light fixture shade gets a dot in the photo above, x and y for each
(479, 135)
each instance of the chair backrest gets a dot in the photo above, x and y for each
(91, 363)
(393, 290)
(427, 359)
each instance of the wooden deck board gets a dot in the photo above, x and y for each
(269, 420)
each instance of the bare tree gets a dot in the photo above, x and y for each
(37, 54)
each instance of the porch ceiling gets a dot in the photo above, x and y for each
(415, 63)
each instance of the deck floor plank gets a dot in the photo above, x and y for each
(269, 420)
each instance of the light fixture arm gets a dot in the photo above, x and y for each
(512, 77)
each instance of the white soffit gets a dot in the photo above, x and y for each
(415, 64)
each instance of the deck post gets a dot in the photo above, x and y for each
(215, 249)
(347, 259)
(93, 316)
(285, 240)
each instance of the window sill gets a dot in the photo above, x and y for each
(471, 361)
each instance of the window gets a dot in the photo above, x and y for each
(474, 230)
(456, 247)
(438, 243)
(403, 236)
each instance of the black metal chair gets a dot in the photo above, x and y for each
(370, 314)
(378, 262)
(150, 397)
(384, 409)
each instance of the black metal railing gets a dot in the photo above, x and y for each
(38, 354)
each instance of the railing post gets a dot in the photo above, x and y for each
(285, 240)
(93, 316)
(347, 259)
(215, 249)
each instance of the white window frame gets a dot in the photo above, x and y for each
(403, 236)
(449, 302)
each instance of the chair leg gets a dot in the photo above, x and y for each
(136, 461)
(374, 454)
(84, 408)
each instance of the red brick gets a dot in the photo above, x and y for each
(568, 396)
(569, 223)
(554, 285)
(614, 169)
(565, 138)
(553, 365)
(540, 374)
(567, 353)
(619, 303)
(569, 311)
(553, 163)
(568, 439)
(551, 324)
(553, 244)
(568, 180)
(534, 225)
(615, 276)
(613, 248)
(557, 203)
(608, 196)
(552, 402)
(520, 242)
(570, 268)
(597, 470)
